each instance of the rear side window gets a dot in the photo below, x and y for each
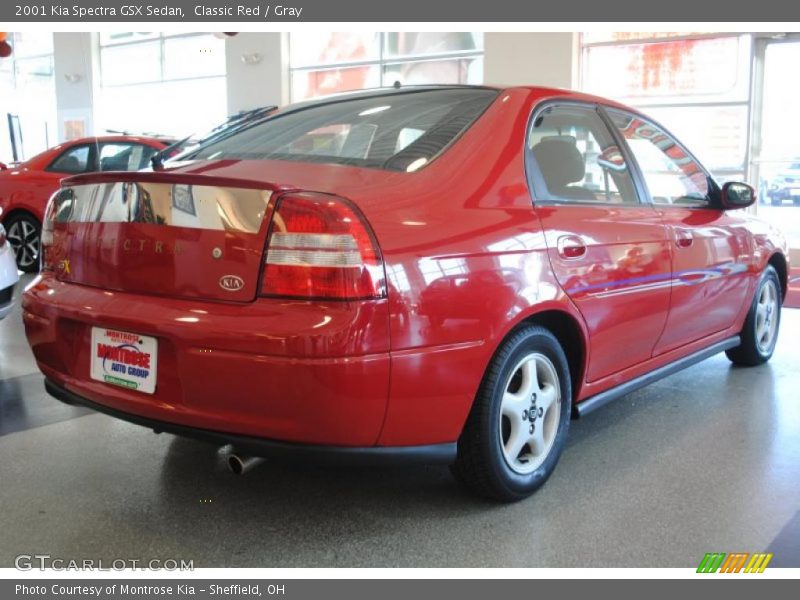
(74, 160)
(399, 132)
(573, 157)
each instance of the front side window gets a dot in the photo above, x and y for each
(573, 158)
(671, 174)
(74, 160)
(120, 156)
(399, 132)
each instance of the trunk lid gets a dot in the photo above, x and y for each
(164, 233)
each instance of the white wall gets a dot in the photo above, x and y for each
(73, 61)
(264, 80)
(548, 59)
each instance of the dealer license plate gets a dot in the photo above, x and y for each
(128, 360)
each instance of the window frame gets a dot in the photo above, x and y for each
(642, 198)
(714, 198)
(14, 59)
(747, 101)
(91, 160)
(161, 40)
(381, 61)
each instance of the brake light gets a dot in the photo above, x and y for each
(321, 247)
(46, 254)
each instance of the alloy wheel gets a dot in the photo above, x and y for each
(767, 316)
(529, 413)
(24, 239)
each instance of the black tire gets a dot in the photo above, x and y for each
(24, 233)
(481, 464)
(752, 351)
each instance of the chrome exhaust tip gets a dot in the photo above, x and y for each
(239, 465)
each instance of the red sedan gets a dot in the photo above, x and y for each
(433, 274)
(26, 187)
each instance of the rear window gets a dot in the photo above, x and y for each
(399, 132)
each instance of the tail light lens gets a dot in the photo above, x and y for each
(56, 200)
(321, 247)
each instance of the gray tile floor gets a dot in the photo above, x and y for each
(706, 460)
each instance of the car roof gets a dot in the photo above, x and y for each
(115, 138)
(380, 92)
(542, 91)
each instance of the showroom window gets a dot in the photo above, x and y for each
(28, 84)
(161, 83)
(326, 63)
(697, 85)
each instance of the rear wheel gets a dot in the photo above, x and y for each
(24, 235)
(518, 424)
(760, 331)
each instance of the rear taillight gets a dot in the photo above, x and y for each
(47, 231)
(321, 247)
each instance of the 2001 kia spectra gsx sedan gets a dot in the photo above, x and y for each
(424, 274)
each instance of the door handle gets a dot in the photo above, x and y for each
(571, 247)
(683, 238)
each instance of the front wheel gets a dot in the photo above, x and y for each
(760, 331)
(24, 234)
(517, 427)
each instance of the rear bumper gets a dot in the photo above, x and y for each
(294, 372)
(332, 455)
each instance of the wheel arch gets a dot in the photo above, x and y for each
(20, 211)
(569, 332)
(778, 262)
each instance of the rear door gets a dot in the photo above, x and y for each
(609, 251)
(710, 247)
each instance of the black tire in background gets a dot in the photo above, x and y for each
(24, 233)
(486, 462)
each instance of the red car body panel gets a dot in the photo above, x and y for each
(28, 185)
(469, 255)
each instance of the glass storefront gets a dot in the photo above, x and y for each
(340, 61)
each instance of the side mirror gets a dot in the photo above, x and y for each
(737, 195)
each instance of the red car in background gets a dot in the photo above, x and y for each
(433, 274)
(26, 187)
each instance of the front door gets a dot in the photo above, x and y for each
(709, 246)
